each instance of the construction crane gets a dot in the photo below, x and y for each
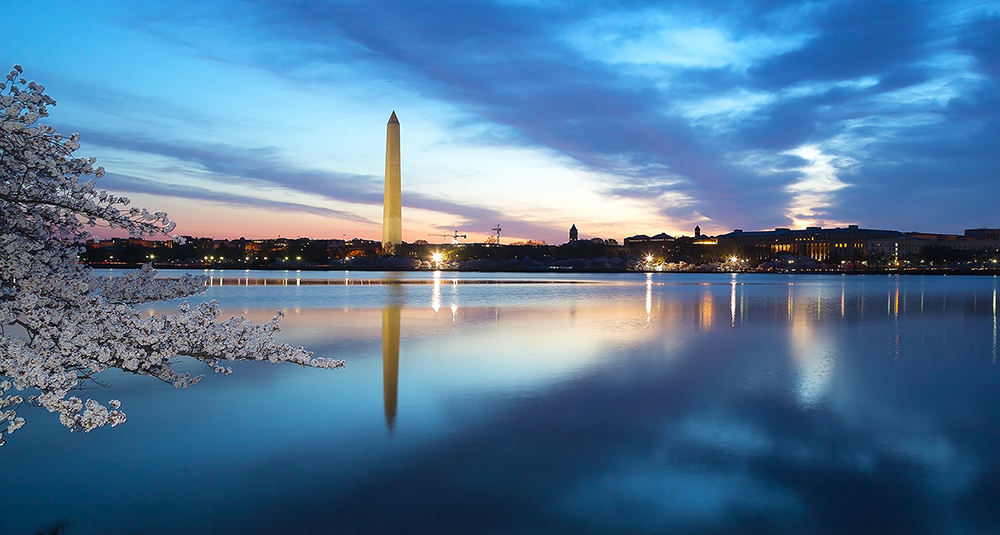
(497, 229)
(454, 237)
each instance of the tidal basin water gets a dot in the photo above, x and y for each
(634, 403)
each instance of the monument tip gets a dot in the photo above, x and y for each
(393, 118)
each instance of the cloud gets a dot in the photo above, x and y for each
(663, 99)
(982, 39)
(854, 38)
(228, 166)
(814, 192)
(130, 184)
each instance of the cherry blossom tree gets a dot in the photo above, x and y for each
(60, 325)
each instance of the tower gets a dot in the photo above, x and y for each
(392, 216)
(573, 233)
(697, 231)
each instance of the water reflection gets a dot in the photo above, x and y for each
(391, 315)
(791, 303)
(706, 312)
(814, 354)
(815, 415)
(436, 292)
(390, 363)
(732, 302)
(649, 297)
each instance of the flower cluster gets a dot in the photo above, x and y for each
(60, 326)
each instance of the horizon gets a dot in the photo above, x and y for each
(621, 118)
(513, 242)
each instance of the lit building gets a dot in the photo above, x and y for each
(914, 243)
(851, 243)
(573, 233)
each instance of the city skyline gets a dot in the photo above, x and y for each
(262, 120)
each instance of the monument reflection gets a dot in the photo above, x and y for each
(390, 363)
(390, 352)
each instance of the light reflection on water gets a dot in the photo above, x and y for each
(636, 403)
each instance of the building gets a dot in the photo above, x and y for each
(660, 240)
(916, 244)
(817, 243)
(573, 233)
(983, 233)
(661, 245)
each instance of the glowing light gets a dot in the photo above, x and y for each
(436, 257)
(733, 259)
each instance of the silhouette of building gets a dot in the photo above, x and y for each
(697, 231)
(661, 244)
(660, 240)
(983, 233)
(573, 233)
(392, 217)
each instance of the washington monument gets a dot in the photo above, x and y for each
(392, 217)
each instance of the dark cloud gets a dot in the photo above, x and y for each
(855, 38)
(130, 184)
(506, 64)
(982, 39)
(238, 165)
(511, 63)
(939, 175)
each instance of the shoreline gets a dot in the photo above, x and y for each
(235, 267)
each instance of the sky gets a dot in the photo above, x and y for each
(267, 119)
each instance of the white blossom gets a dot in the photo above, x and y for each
(60, 326)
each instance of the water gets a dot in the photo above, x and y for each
(633, 403)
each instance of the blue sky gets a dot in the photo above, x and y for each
(261, 119)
